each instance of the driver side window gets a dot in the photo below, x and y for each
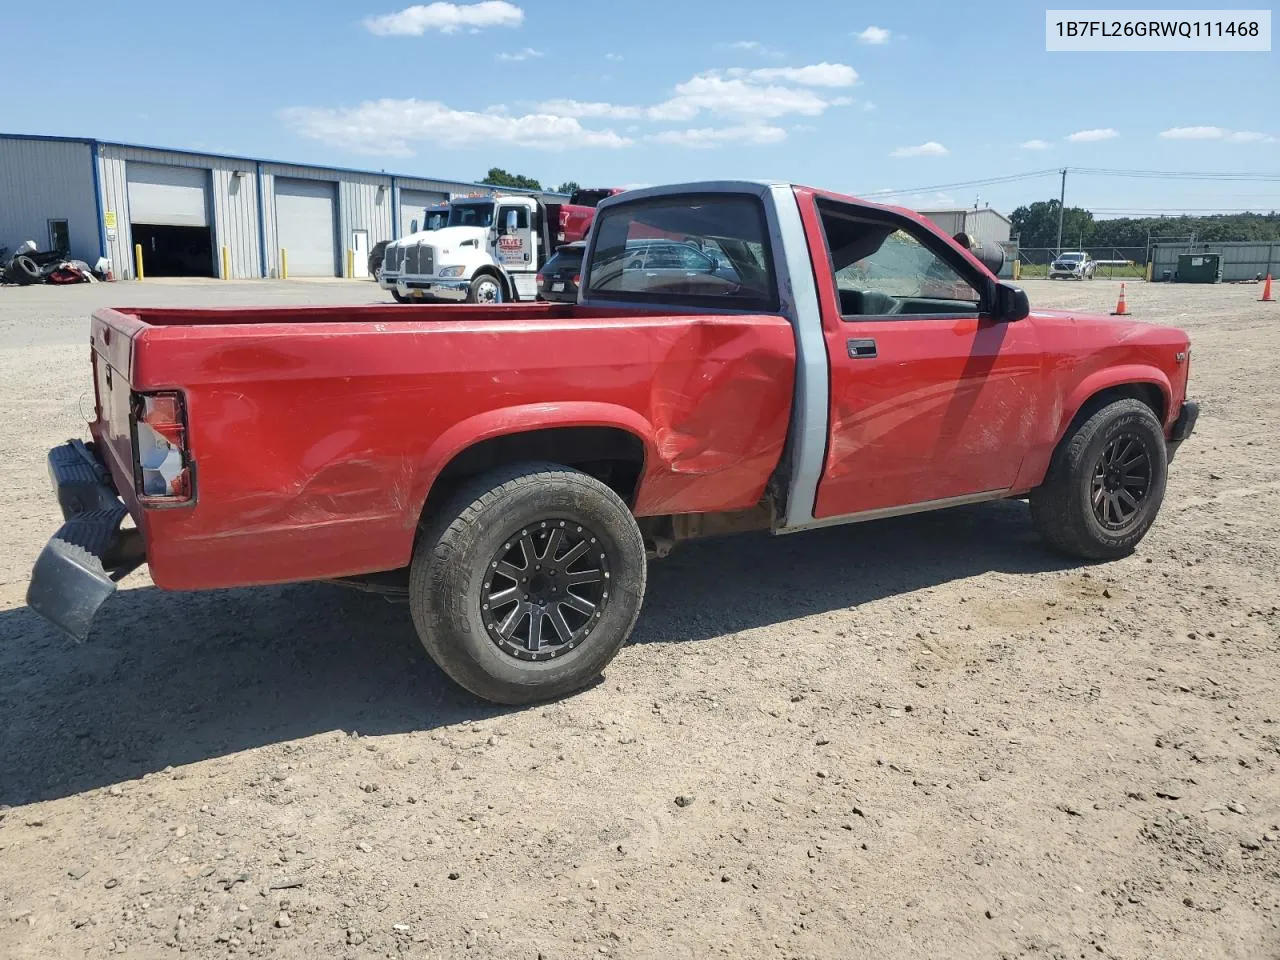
(885, 269)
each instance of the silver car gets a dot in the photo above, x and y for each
(1075, 265)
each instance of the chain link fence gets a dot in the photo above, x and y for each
(1113, 263)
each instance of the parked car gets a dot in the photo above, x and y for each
(559, 277)
(507, 470)
(1076, 265)
(375, 258)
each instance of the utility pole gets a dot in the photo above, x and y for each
(1062, 199)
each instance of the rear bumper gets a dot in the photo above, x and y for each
(1183, 426)
(80, 565)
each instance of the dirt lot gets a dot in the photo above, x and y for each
(916, 738)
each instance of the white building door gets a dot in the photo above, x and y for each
(360, 254)
(305, 219)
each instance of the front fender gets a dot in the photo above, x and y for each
(1036, 463)
(1117, 376)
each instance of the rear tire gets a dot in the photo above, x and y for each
(1105, 483)
(399, 298)
(474, 608)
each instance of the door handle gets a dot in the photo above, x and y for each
(862, 349)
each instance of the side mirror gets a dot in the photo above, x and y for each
(509, 224)
(1011, 303)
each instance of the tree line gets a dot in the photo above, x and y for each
(1036, 225)
(497, 177)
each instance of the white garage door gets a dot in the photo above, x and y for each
(412, 203)
(305, 226)
(168, 196)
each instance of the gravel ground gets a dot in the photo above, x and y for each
(917, 737)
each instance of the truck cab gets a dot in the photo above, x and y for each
(488, 251)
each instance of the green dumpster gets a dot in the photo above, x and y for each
(1199, 268)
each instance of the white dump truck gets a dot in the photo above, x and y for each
(489, 252)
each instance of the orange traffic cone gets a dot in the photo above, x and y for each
(1121, 309)
(1266, 291)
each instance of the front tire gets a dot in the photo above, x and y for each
(399, 298)
(527, 583)
(1105, 483)
(486, 289)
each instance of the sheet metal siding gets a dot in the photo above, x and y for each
(43, 180)
(982, 224)
(1241, 260)
(234, 206)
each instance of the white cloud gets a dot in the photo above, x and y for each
(873, 35)
(737, 97)
(815, 75)
(446, 17)
(613, 56)
(1035, 145)
(589, 108)
(1216, 133)
(387, 127)
(1193, 133)
(1093, 136)
(528, 53)
(1251, 136)
(714, 92)
(706, 137)
(868, 105)
(751, 46)
(748, 100)
(929, 149)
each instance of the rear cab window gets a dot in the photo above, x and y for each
(685, 249)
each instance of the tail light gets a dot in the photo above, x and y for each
(577, 279)
(162, 468)
(539, 279)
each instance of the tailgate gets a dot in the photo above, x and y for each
(112, 335)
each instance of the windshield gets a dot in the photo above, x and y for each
(478, 214)
(436, 219)
(1072, 256)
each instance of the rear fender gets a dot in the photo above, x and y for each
(521, 419)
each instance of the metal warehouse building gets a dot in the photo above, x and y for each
(198, 214)
(981, 223)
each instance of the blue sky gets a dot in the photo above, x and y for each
(854, 97)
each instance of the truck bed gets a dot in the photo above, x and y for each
(308, 426)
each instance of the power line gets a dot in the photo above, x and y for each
(1177, 211)
(964, 183)
(1087, 171)
(1175, 174)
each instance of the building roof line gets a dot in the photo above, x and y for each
(91, 141)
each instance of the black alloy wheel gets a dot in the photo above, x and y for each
(1121, 481)
(545, 589)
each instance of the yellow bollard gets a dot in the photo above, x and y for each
(1017, 270)
(1150, 264)
(137, 252)
(284, 264)
(226, 263)
(351, 263)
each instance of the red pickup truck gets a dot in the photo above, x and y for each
(508, 469)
